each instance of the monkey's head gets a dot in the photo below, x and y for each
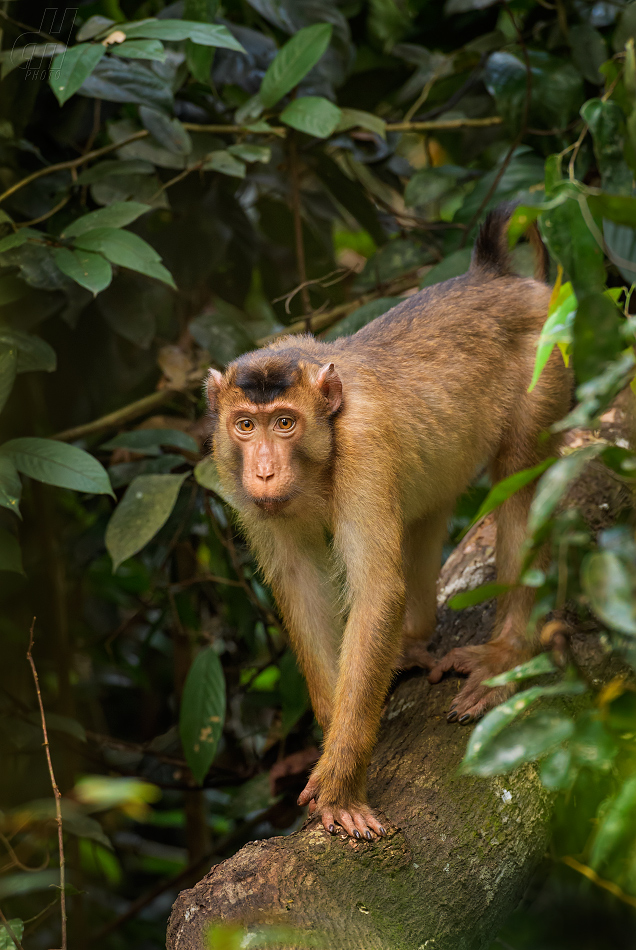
(273, 439)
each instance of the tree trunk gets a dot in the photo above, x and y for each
(463, 849)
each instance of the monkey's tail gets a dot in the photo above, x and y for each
(491, 253)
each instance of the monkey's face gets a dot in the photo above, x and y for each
(274, 453)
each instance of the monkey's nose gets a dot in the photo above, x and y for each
(265, 474)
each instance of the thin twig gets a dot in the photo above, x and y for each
(444, 124)
(522, 131)
(5, 923)
(46, 215)
(29, 29)
(342, 273)
(56, 791)
(591, 875)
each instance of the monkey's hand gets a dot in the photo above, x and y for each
(479, 663)
(357, 819)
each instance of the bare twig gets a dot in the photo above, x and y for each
(56, 791)
(522, 131)
(118, 418)
(46, 215)
(591, 875)
(15, 940)
(444, 124)
(324, 281)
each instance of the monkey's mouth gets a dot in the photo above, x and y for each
(272, 506)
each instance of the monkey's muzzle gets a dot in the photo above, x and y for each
(272, 506)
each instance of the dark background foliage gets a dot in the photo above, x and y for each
(247, 199)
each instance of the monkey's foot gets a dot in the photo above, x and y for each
(356, 819)
(479, 663)
(415, 654)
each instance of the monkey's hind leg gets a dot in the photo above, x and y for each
(512, 642)
(423, 543)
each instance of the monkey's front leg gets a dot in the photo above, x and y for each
(370, 647)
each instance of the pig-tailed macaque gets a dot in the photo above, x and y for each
(344, 461)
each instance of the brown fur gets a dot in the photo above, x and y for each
(430, 392)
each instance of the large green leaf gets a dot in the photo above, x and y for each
(10, 553)
(16, 926)
(557, 329)
(140, 49)
(610, 585)
(70, 68)
(607, 123)
(358, 118)
(117, 215)
(19, 238)
(503, 715)
(34, 353)
(222, 160)
(10, 485)
(573, 245)
(57, 463)
(292, 63)
(508, 487)
(202, 712)
(589, 51)
(207, 34)
(521, 742)
(313, 115)
(166, 131)
(126, 249)
(88, 270)
(143, 510)
(8, 369)
(468, 598)
(537, 666)
(148, 441)
(597, 336)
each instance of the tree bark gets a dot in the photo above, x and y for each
(462, 850)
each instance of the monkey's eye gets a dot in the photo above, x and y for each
(245, 425)
(285, 423)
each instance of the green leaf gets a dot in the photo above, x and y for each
(148, 441)
(70, 68)
(597, 336)
(85, 268)
(292, 63)
(358, 119)
(117, 215)
(167, 132)
(615, 824)
(610, 585)
(202, 712)
(469, 598)
(607, 124)
(8, 369)
(593, 745)
(521, 742)
(16, 926)
(221, 160)
(10, 553)
(199, 60)
(19, 238)
(34, 353)
(127, 250)
(251, 153)
(10, 485)
(207, 476)
(556, 330)
(103, 170)
(313, 115)
(573, 245)
(143, 511)
(538, 665)
(589, 51)
(207, 34)
(57, 463)
(507, 487)
(140, 49)
(618, 208)
(93, 26)
(501, 716)
(554, 483)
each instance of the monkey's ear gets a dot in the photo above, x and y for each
(329, 386)
(213, 384)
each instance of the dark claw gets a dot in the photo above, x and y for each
(369, 836)
(357, 834)
(332, 830)
(452, 716)
(465, 718)
(382, 832)
(452, 707)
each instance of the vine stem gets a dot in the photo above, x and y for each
(7, 927)
(54, 786)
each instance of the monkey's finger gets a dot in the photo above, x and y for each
(345, 820)
(374, 824)
(312, 806)
(458, 659)
(329, 822)
(310, 791)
